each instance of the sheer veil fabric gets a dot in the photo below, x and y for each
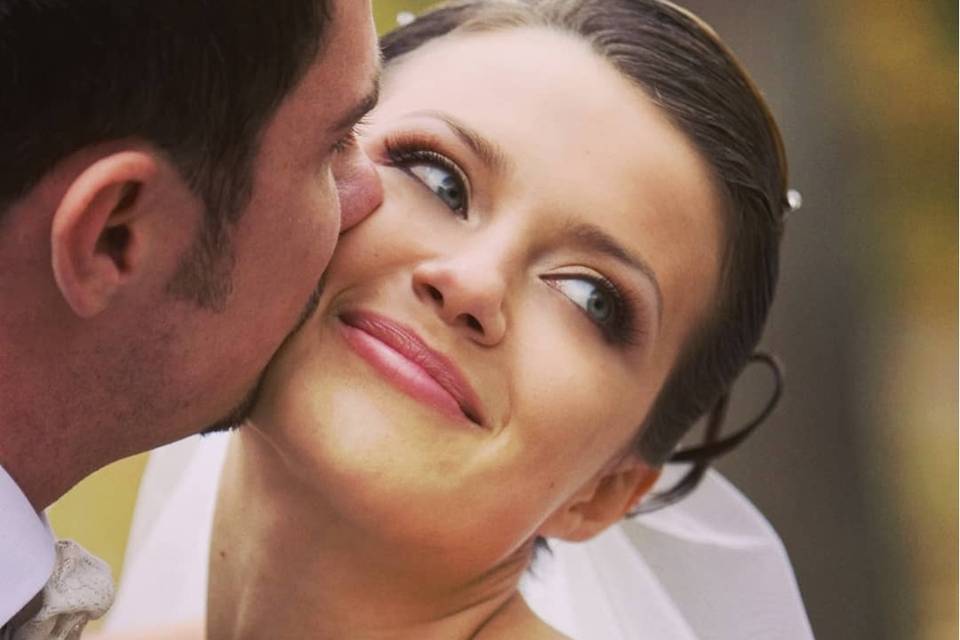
(709, 567)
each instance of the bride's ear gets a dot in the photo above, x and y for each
(602, 501)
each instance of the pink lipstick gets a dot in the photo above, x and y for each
(405, 360)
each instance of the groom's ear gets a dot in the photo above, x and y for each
(123, 218)
(602, 501)
(93, 248)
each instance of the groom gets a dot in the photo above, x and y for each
(167, 207)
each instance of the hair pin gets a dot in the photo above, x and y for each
(794, 200)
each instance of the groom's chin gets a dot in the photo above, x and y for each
(235, 418)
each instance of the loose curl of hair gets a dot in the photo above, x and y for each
(681, 65)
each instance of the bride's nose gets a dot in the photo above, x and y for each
(467, 294)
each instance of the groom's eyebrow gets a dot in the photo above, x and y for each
(361, 108)
(489, 152)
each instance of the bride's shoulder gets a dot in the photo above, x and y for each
(533, 629)
(543, 632)
(517, 621)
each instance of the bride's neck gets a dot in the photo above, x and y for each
(283, 567)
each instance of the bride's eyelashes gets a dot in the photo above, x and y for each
(438, 173)
(603, 303)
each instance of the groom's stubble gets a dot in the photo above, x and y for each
(235, 418)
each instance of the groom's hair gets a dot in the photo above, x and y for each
(198, 79)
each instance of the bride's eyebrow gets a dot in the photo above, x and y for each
(489, 152)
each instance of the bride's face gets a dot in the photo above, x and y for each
(490, 340)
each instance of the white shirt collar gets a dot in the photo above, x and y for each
(27, 551)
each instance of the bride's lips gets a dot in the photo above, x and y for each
(404, 359)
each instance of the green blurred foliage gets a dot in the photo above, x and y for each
(946, 12)
(385, 11)
(901, 80)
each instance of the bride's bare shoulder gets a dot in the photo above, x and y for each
(542, 631)
(517, 622)
(532, 629)
(192, 631)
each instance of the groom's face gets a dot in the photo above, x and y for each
(309, 184)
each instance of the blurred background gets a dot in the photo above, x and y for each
(857, 470)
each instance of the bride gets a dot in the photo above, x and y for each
(574, 260)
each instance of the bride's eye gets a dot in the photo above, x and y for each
(600, 301)
(435, 171)
(444, 183)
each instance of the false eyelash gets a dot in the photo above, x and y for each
(626, 330)
(407, 148)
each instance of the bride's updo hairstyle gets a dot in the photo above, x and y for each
(681, 65)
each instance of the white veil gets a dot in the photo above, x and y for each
(708, 567)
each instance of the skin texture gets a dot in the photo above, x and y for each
(378, 515)
(99, 360)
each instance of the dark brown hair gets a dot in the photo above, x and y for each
(683, 67)
(199, 80)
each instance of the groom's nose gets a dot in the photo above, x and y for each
(358, 186)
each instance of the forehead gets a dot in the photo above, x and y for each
(582, 142)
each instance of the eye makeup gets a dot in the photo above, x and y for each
(614, 311)
(410, 151)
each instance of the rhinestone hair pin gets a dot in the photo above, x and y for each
(794, 201)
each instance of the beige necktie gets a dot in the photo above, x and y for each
(79, 590)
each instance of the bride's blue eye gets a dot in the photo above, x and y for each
(600, 301)
(599, 305)
(444, 183)
(434, 170)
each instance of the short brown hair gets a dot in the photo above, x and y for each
(198, 80)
